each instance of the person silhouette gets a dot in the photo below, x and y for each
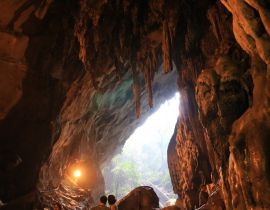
(102, 204)
(112, 202)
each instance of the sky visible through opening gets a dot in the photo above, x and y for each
(143, 160)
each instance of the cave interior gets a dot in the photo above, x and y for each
(77, 77)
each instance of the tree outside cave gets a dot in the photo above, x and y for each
(143, 160)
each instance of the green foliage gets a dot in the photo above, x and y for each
(125, 172)
(123, 175)
(144, 157)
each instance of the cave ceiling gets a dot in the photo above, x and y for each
(77, 79)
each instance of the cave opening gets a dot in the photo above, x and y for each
(143, 160)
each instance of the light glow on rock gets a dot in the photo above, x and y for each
(77, 173)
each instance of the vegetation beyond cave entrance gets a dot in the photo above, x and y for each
(143, 160)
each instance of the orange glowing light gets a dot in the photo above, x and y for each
(77, 173)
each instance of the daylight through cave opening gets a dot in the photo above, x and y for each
(143, 161)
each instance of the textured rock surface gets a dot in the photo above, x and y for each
(143, 197)
(75, 75)
(249, 142)
(84, 113)
(32, 96)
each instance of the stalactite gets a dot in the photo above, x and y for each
(148, 81)
(149, 88)
(80, 29)
(153, 63)
(43, 8)
(214, 18)
(79, 32)
(136, 90)
(166, 48)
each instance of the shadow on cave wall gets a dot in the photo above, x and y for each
(30, 128)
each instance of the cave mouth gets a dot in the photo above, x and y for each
(143, 160)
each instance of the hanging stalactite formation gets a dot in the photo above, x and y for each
(135, 34)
